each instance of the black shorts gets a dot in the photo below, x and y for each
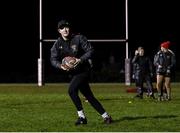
(164, 74)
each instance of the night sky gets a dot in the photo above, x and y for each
(150, 23)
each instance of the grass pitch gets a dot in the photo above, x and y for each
(29, 108)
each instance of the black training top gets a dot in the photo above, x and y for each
(76, 46)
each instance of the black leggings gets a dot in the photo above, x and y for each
(80, 82)
(140, 81)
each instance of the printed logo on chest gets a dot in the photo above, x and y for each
(74, 48)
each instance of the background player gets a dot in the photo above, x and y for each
(164, 61)
(142, 72)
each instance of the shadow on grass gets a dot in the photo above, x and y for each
(115, 98)
(145, 117)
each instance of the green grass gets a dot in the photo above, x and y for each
(29, 108)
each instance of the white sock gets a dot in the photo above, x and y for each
(81, 114)
(105, 115)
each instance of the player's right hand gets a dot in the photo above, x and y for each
(136, 52)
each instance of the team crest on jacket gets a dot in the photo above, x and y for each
(74, 48)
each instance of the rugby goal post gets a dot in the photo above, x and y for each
(41, 40)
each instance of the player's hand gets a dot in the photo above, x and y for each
(64, 67)
(136, 52)
(151, 74)
(168, 71)
(133, 76)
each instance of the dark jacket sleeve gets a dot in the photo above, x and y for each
(88, 49)
(134, 60)
(156, 58)
(55, 55)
